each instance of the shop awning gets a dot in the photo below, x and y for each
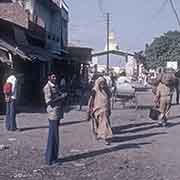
(59, 52)
(11, 47)
(79, 54)
(28, 52)
(37, 53)
(116, 52)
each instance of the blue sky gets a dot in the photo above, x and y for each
(134, 22)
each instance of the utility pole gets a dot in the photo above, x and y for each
(108, 43)
(175, 12)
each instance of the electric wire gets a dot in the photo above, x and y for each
(174, 11)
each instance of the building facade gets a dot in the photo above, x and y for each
(33, 35)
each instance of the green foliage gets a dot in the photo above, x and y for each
(162, 49)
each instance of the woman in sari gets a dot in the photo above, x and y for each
(99, 108)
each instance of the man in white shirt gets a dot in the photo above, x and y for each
(53, 100)
(11, 104)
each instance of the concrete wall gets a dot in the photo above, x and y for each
(52, 19)
(14, 13)
(29, 5)
(52, 22)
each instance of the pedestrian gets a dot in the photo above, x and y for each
(82, 93)
(53, 100)
(176, 84)
(163, 98)
(10, 92)
(99, 107)
(108, 80)
(155, 82)
(113, 80)
(63, 83)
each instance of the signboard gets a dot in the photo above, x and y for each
(172, 64)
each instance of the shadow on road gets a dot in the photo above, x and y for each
(174, 117)
(33, 128)
(170, 124)
(145, 106)
(120, 129)
(118, 139)
(116, 148)
(103, 151)
(44, 127)
(38, 109)
(139, 107)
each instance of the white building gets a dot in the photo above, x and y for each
(113, 44)
(131, 66)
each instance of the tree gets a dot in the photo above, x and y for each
(162, 49)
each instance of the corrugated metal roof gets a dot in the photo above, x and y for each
(37, 52)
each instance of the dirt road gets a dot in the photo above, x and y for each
(140, 149)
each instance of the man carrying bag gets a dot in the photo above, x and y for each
(164, 95)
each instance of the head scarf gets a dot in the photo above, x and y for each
(98, 82)
(168, 79)
(101, 100)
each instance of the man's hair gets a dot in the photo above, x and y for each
(51, 73)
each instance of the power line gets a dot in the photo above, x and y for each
(153, 17)
(175, 12)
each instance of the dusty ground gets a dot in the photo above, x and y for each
(140, 149)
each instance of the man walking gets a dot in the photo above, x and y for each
(53, 100)
(164, 95)
(10, 92)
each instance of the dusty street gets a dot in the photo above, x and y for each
(140, 149)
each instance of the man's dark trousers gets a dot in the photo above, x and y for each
(11, 116)
(177, 95)
(52, 149)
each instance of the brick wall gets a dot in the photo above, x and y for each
(13, 12)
